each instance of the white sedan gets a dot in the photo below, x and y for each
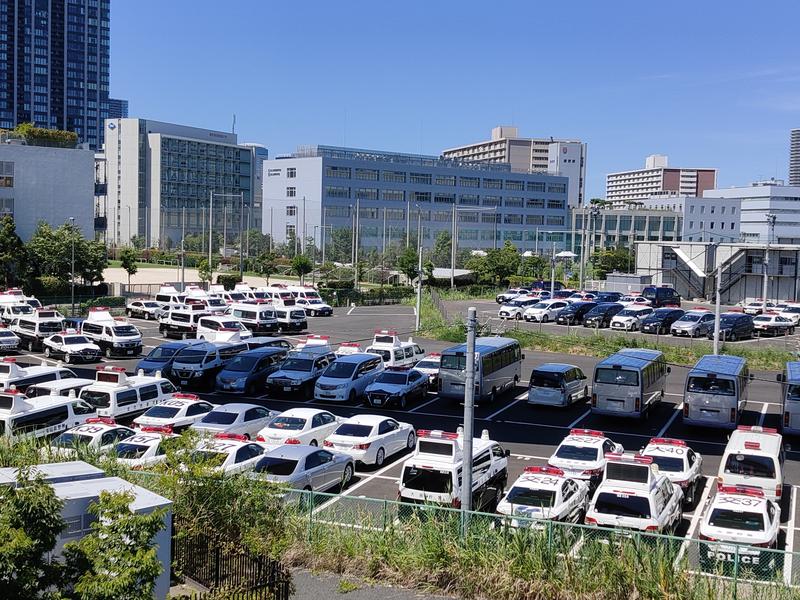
(179, 412)
(630, 318)
(97, 433)
(309, 426)
(634, 300)
(144, 449)
(544, 311)
(228, 453)
(369, 439)
(235, 418)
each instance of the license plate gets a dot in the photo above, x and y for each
(287, 388)
(226, 386)
(129, 352)
(377, 401)
(184, 382)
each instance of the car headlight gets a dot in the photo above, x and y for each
(295, 382)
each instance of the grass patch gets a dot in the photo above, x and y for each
(346, 586)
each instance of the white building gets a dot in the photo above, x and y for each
(703, 219)
(46, 184)
(531, 155)
(657, 178)
(156, 170)
(794, 157)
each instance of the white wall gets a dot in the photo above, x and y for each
(308, 183)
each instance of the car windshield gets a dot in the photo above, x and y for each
(616, 377)
(750, 465)
(50, 326)
(668, 463)
(736, 519)
(96, 398)
(190, 357)
(161, 412)
(763, 319)
(130, 451)
(569, 452)
(6, 333)
(689, 318)
(297, 364)
(624, 505)
(546, 380)
(161, 354)
(392, 378)
(290, 423)
(340, 370)
(793, 392)
(272, 465)
(427, 480)
(216, 302)
(728, 319)
(541, 305)
(628, 313)
(315, 301)
(25, 309)
(237, 296)
(207, 456)
(384, 354)
(219, 418)
(529, 497)
(792, 309)
(243, 364)
(427, 364)
(123, 330)
(150, 304)
(71, 440)
(649, 293)
(75, 339)
(454, 362)
(711, 385)
(661, 312)
(298, 314)
(353, 430)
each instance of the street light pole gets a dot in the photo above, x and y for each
(72, 268)
(417, 316)
(770, 229)
(469, 413)
(241, 236)
(210, 230)
(453, 249)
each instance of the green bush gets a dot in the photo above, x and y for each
(228, 280)
(109, 301)
(48, 285)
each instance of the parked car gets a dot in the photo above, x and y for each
(734, 326)
(600, 316)
(661, 296)
(660, 320)
(247, 372)
(310, 426)
(397, 386)
(574, 313)
(630, 317)
(241, 419)
(608, 297)
(544, 311)
(758, 307)
(160, 358)
(694, 323)
(773, 324)
(305, 468)
(369, 439)
(144, 309)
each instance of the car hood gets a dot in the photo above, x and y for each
(234, 374)
(153, 365)
(385, 387)
(281, 374)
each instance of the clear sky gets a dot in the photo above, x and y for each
(709, 83)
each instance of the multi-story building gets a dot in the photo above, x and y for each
(794, 157)
(319, 188)
(531, 155)
(704, 219)
(260, 154)
(117, 108)
(46, 184)
(158, 173)
(54, 65)
(657, 179)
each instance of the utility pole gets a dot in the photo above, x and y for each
(72, 268)
(553, 272)
(417, 316)
(583, 246)
(183, 251)
(224, 226)
(770, 229)
(355, 245)
(210, 230)
(469, 410)
(718, 285)
(453, 250)
(241, 236)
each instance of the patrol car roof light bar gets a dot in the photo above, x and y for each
(544, 471)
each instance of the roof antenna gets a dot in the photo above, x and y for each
(233, 126)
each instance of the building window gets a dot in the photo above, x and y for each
(367, 174)
(291, 192)
(394, 176)
(393, 195)
(423, 178)
(442, 216)
(492, 201)
(338, 172)
(445, 198)
(516, 186)
(468, 234)
(514, 236)
(555, 204)
(366, 193)
(394, 214)
(733, 210)
(691, 224)
(445, 180)
(472, 182)
(553, 220)
(333, 191)
(535, 186)
(270, 172)
(291, 230)
(702, 210)
(722, 210)
(493, 184)
(291, 172)
(557, 188)
(732, 226)
(468, 217)
(534, 220)
(291, 210)
(712, 210)
(469, 199)
(711, 225)
(534, 203)
(368, 213)
(512, 219)
(421, 196)
(6, 174)
(491, 217)
(691, 209)
(337, 212)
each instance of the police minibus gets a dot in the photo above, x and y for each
(716, 391)
(498, 364)
(790, 397)
(629, 383)
(47, 415)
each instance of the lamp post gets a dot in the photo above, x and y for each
(72, 268)
(454, 233)
(770, 231)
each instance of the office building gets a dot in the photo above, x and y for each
(704, 219)
(318, 188)
(54, 65)
(46, 184)
(260, 154)
(158, 172)
(794, 158)
(657, 179)
(531, 155)
(117, 109)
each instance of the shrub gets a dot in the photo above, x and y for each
(228, 280)
(110, 301)
(48, 285)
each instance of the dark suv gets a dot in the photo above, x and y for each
(661, 296)
(600, 316)
(608, 297)
(734, 326)
(573, 314)
(661, 320)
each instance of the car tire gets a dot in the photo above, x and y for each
(402, 402)
(129, 312)
(411, 440)
(108, 352)
(184, 336)
(586, 393)
(67, 358)
(352, 397)
(347, 476)
(498, 496)
(691, 496)
(791, 330)
(47, 351)
(545, 318)
(147, 316)
(380, 457)
(518, 316)
(31, 346)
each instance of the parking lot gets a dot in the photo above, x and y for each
(530, 433)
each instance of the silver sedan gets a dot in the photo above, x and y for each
(305, 468)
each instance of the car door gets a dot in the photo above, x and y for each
(388, 429)
(195, 412)
(56, 345)
(415, 384)
(314, 468)
(707, 324)
(329, 425)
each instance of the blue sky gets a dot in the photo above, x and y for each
(710, 83)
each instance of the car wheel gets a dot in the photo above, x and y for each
(690, 496)
(47, 351)
(518, 316)
(791, 330)
(30, 346)
(184, 336)
(586, 393)
(347, 476)
(402, 402)
(411, 441)
(108, 352)
(147, 316)
(545, 318)
(352, 397)
(498, 496)
(67, 358)
(129, 312)
(380, 456)
(732, 337)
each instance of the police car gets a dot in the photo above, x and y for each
(429, 366)
(544, 493)
(178, 412)
(228, 453)
(679, 463)
(9, 341)
(144, 449)
(739, 515)
(634, 494)
(397, 386)
(583, 453)
(71, 346)
(98, 433)
(235, 418)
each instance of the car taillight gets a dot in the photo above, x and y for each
(590, 521)
(685, 411)
(260, 438)
(362, 446)
(456, 503)
(637, 404)
(779, 490)
(707, 539)
(594, 399)
(733, 415)
(786, 419)
(651, 529)
(682, 484)
(592, 472)
(327, 444)
(292, 441)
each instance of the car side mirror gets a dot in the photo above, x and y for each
(779, 377)
(523, 357)
(669, 369)
(507, 453)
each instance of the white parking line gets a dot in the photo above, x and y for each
(386, 477)
(698, 511)
(763, 415)
(579, 419)
(351, 310)
(529, 456)
(416, 408)
(497, 412)
(361, 483)
(787, 570)
(674, 416)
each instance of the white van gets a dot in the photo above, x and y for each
(432, 475)
(197, 295)
(218, 328)
(394, 353)
(21, 378)
(114, 335)
(754, 458)
(290, 318)
(182, 322)
(245, 289)
(257, 316)
(43, 416)
(115, 394)
(59, 387)
(278, 295)
(32, 329)
(230, 297)
(168, 297)
(9, 311)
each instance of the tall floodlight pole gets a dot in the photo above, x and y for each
(453, 249)
(72, 269)
(583, 246)
(770, 230)
(183, 251)
(469, 415)
(718, 285)
(241, 235)
(417, 317)
(210, 230)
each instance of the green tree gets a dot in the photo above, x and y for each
(611, 259)
(94, 260)
(43, 248)
(118, 560)
(479, 266)
(503, 262)
(267, 264)
(341, 245)
(326, 269)
(30, 522)
(204, 270)
(128, 257)
(428, 268)
(535, 267)
(442, 249)
(407, 263)
(13, 254)
(302, 266)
